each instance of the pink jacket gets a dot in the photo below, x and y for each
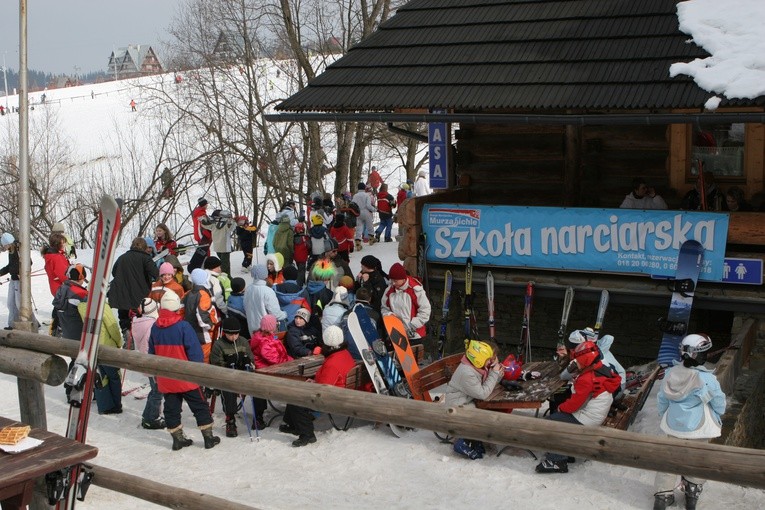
(267, 350)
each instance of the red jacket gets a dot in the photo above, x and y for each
(400, 197)
(335, 368)
(197, 214)
(589, 384)
(56, 266)
(172, 337)
(267, 350)
(344, 236)
(375, 180)
(169, 244)
(385, 203)
(302, 248)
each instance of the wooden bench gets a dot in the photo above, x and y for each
(434, 375)
(631, 404)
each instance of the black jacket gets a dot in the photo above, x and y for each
(134, 271)
(301, 341)
(13, 263)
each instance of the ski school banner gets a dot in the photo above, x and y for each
(611, 240)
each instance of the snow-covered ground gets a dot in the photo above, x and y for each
(364, 467)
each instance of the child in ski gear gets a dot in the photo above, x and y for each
(56, 261)
(291, 296)
(200, 312)
(66, 300)
(134, 272)
(180, 276)
(221, 225)
(690, 403)
(477, 375)
(172, 337)
(166, 281)
(267, 350)
(213, 268)
(245, 233)
(402, 194)
(374, 179)
(333, 313)
(406, 299)
(385, 205)
(372, 277)
(163, 240)
(342, 268)
(318, 233)
(69, 249)
(143, 321)
(236, 305)
(260, 299)
(274, 264)
(108, 386)
(350, 285)
(343, 235)
(319, 291)
(198, 215)
(284, 242)
(302, 336)
(8, 243)
(337, 363)
(590, 400)
(231, 351)
(302, 246)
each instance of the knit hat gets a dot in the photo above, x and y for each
(316, 220)
(404, 186)
(340, 296)
(166, 268)
(422, 173)
(7, 239)
(76, 272)
(149, 308)
(290, 272)
(330, 244)
(277, 259)
(347, 282)
(212, 262)
(370, 261)
(259, 272)
(237, 285)
(323, 270)
(58, 227)
(268, 323)
(362, 186)
(230, 325)
(170, 301)
(397, 272)
(202, 201)
(333, 337)
(304, 314)
(199, 277)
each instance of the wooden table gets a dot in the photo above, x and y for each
(534, 392)
(19, 471)
(299, 369)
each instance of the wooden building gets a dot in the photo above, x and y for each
(554, 103)
(133, 61)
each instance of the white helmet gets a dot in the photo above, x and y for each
(694, 344)
(6, 239)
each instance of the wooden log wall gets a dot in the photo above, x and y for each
(740, 466)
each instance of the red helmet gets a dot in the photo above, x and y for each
(512, 368)
(300, 228)
(586, 354)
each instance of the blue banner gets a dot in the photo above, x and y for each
(439, 140)
(610, 240)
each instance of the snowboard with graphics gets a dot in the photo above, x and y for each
(365, 349)
(689, 262)
(397, 334)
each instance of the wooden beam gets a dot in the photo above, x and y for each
(35, 366)
(746, 228)
(740, 466)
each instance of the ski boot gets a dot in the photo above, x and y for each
(157, 424)
(692, 492)
(304, 440)
(231, 426)
(466, 448)
(179, 438)
(552, 466)
(377, 239)
(210, 439)
(358, 245)
(663, 500)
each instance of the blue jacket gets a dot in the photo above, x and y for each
(291, 297)
(172, 337)
(690, 403)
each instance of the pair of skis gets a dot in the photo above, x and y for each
(66, 486)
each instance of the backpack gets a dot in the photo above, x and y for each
(351, 212)
(225, 283)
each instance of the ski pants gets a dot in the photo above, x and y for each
(229, 400)
(666, 482)
(364, 226)
(386, 224)
(565, 418)
(195, 399)
(153, 408)
(299, 418)
(225, 262)
(14, 301)
(109, 396)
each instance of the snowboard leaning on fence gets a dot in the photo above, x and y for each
(689, 262)
(66, 485)
(365, 349)
(398, 337)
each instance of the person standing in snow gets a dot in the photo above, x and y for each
(201, 236)
(134, 272)
(385, 205)
(221, 225)
(151, 418)
(406, 299)
(260, 300)
(58, 228)
(8, 243)
(364, 226)
(231, 351)
(421, 187)
(374, 179)
(690, 403)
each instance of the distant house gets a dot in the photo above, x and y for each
(133, 61)
(231, 47)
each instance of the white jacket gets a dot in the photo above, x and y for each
(260, 300)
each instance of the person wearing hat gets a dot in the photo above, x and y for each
(318, 234)
(199, 215)
(337, 363)
(274, 264)
(134, 272)
(291, 296)
(148, 312)
(342, 267)
(166, 281)
(374, 179)
(221, 226)
(235, 305)
(69, 249)
(402, 194)
(333, 313)
(218, 283)
(372, 277)
(231, 351)
(385, 205)
(406, 299)
(71, 292)
(260, 299)
(200, 312)
(349, 283)
(364, 226)
(173, 337)
(267, 350)
(8, 243)
(320, 285)
(303, 334)
(421, 187)
(302, 250)
(245, 234)
(341, 233)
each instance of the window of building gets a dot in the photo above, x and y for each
(720, 150)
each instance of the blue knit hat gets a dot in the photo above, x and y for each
(259, 272)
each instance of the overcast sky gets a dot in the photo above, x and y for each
(62, 34)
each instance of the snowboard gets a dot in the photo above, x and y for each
(689, 262)
(368, 357)
(397, 334)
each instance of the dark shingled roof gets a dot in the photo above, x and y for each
(515, 55)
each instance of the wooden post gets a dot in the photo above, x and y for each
(43, 368)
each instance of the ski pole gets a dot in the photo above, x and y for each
(246, 420)
(255, 420)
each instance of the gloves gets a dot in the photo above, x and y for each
(317, 350)
(411, 331)
(572, 367)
